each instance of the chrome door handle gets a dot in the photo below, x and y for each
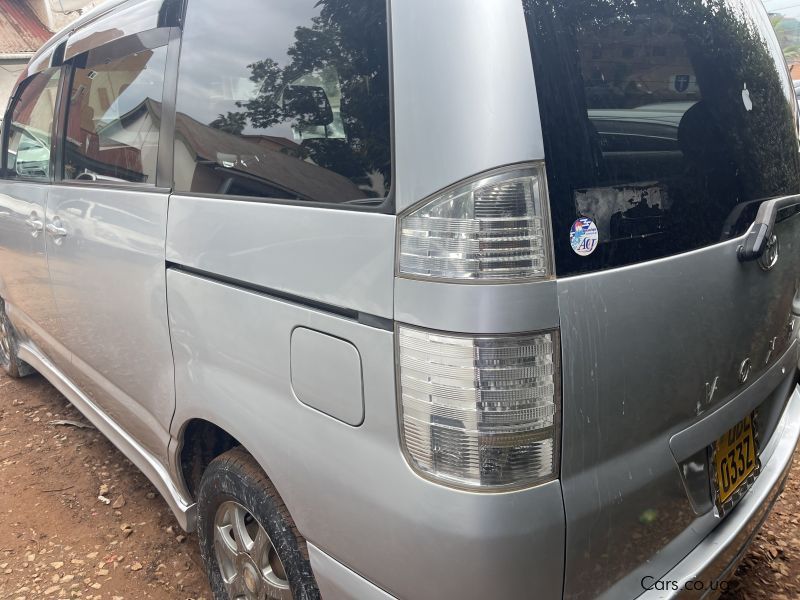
(55, 229)
(35, 223)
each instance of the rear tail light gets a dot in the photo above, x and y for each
(492, 228)
(480, 412)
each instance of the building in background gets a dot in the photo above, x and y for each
(55, 14)
(24, 26)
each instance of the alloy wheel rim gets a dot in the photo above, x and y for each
(5, 341)
(250, 567)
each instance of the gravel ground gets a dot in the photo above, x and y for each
(771, 568)
(59, 540)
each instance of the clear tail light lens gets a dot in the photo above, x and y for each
(480, 412)
(490, 229)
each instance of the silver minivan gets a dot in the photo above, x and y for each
(421, 300)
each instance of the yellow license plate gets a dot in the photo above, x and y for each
(735, 458)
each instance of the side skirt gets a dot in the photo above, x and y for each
(184, 510)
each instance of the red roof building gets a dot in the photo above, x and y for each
(21, 32)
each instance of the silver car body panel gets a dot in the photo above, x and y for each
(107, 275)
(457, 112)
(326, 374)
(232, 368)
(337, 582)
(717, 555)
(296, 250)
(24, 278)
(639, 376)
(506, 308)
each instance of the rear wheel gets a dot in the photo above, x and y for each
(9, 360)
(249, 543)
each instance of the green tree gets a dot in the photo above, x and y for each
(347, 38)
(233, 122)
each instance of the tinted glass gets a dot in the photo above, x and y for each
(285, 99)
(113, 119)
(30, 127)
(665, 123)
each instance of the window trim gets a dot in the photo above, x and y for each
(130, 18)
(122, 47)
(380, 209)
(166, 137)
(151, 39)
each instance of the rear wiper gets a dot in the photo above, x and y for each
(760, 234)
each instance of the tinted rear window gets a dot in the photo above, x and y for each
(665, 123)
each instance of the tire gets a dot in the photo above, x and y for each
(9, 358)
(234, 484)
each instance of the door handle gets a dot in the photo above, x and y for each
(35, 223)
(55, 229)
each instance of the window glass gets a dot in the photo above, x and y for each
(665, 124)
(113, 119)
(30, 127)
(285, 99)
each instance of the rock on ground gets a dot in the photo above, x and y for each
(59, 540)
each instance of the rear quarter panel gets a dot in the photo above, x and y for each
(349, 489)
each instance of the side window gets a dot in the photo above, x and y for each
(30, 126)
(287, 100)
(113, 118)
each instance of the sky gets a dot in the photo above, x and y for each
(227, 73)
(789, 8)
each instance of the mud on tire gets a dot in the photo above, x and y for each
(9, 358)
(236, 477)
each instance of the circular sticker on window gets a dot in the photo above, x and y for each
(583, 236)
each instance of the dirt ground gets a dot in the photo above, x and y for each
(58, 540)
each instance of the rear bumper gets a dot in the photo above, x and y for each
(698, 575)
(337, 582)
(716, 557)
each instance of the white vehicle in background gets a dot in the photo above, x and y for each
(32, 156)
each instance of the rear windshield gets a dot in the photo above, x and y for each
(665, 124)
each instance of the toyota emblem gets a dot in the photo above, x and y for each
(770, 256)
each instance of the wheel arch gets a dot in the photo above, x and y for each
(3, 288)
(200, 442)
(202, 438)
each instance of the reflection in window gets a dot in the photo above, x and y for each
(31, 126)
(285, 99)
(114, 118)
(669, 147)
